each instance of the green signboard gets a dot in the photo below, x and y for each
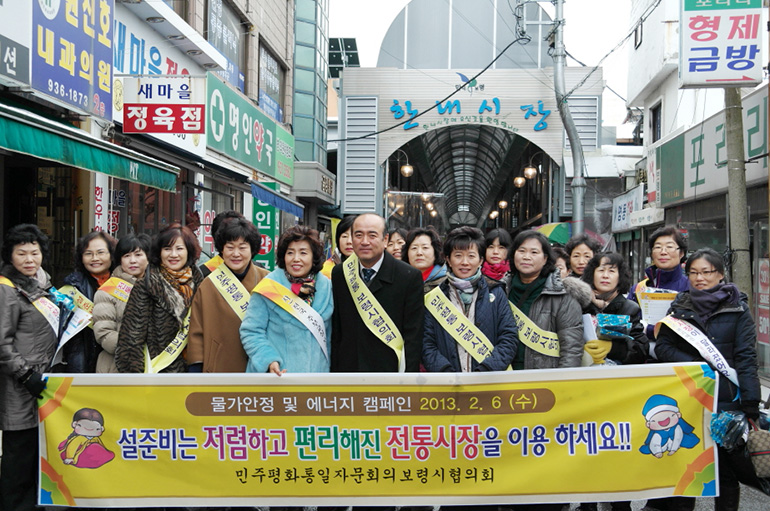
(266, 218)
(238, 129)
(671, 162)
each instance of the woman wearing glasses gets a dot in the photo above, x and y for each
(720, 313)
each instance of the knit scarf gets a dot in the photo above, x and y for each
(304, 287)
(466, 287)
(496, 271)
(524, 295)
(181, 281)
(707, 301)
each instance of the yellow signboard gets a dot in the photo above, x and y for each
(376, 439)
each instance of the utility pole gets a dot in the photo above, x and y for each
(736, 192)
(578, 180)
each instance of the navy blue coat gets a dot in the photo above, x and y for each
(82, 351)
(493, 318)
(731, 331)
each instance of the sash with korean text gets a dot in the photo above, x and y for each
(372, 313)
(534, 337)
(298, 308)
(457, 325)
(700, 341)
(171, 352)
(81, 301)
(117, 288)
(214, 263)
(231, 289)
(46, 307)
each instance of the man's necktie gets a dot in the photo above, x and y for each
(368, 274)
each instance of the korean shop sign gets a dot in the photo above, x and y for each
(720, 43)
(72, 53)
(267, 220)
(15, 40)
(238, 129)
(164, 104)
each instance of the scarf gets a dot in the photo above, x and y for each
(466, 287)
(100, 279)
(466, 364)
(433, 273)
(497, 271)
(524, 295)
(304, 287)
(181, 281)
(707, 301)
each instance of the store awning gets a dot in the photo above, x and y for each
(24, 132)
(265, 194)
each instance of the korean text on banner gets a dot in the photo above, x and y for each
(395, 439)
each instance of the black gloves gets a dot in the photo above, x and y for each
(34, 382)
(195, 368)
(751, 409)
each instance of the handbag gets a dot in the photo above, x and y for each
(758, 446)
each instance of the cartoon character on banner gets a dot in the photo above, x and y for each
(83, 448)
(668, 431)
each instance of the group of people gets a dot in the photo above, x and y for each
(154, 310)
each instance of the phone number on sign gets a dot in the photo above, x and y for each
(63, 91)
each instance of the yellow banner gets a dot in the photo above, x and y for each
(533, 336)
(374, 316)
(377, 439)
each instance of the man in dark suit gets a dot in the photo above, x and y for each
(396, 286)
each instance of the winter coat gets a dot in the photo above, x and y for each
(27, 341)
(731, 330)
(625, 351)
(82, 351)
(108, 314)
(673, 280)
(492, 316)
(270, 334)
(579, 290)
(214, 337)
(154, 314)
(556, 311)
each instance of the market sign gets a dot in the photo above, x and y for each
(164, 104)
(238, 129)
(720, 43)
(15, 40)
(267, 219)
(225, 34)
(72, 53)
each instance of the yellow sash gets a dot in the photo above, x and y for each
(44, 306)
(80, 299)
(118, 288)
(172, 351)
(456, 324)
(372, 313)
(534, 337)
(298, 308)
(231, 289)
(641, 287)
(214, 263)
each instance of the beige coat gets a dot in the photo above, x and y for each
(214, 338)
(108, 314)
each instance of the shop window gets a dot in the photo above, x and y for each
(272, 77)
(656, 121)
(225, 31)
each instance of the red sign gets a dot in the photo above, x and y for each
(266, 246)
(163, 118)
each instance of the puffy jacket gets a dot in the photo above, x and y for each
(270, 334)
(629, 351)
(492, 316)
(108, 314)
(673, 280)
(556, 311)
(731, 330)
(82, 351)
(27, 341)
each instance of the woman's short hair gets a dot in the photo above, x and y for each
(560, 253)
(463, 238)
(168, 235)
(345, 225)
(550, 259)
(670, 230)
(613, 259)
(300, 233)
(398, 230)
(82, 246)
(235, 228)
(710, 255)
(131, 242)
(223, 217)
(435, 242)
(582, 239)
(503, 237)
(21, 234)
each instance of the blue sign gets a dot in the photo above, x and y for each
(72, 52)
(270, 106)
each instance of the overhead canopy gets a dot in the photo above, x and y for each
(28, 133)
(265, 194)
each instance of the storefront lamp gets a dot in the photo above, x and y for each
(519, 181)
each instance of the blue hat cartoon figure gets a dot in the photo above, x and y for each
(668, 431)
